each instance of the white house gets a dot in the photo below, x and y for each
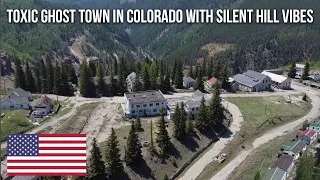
(144, 103)
(188, 82)
(42, 107)
(300, 67)
(251, 81)
(315, 125)
(131, 78)
(12, 102)
(307, 136)
(279, 81)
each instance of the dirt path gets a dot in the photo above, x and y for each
(280, 131)
(199, 165)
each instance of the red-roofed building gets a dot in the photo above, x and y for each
(307, 136)
(211, 82)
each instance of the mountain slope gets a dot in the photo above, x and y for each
(30, 41)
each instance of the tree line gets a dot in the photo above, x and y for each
(45, 78)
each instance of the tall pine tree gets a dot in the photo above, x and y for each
(292, 70)
(30, 82)
(38, 79)
(19, 80)
(87, 87)
(102, 86)
(96, 167)
(43, 77)
(133, 151)
(50, 76)
(179, 76)
(113, 84)
(114, 167)
(215, 108)
(202, 122)
(305, 74)
(57, 80)
(163, 139)
(146, 78)
(199, 83)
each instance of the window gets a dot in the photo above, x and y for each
(157, 104)
(133, 112)
(144, 105)
(154, 110)
(138, 106)
(192, 109)
(151, 104)
(132, 106)
(11, 106)
(162, 103)
(140, 110)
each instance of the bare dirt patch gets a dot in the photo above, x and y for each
(214, 48)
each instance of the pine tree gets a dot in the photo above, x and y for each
(151, 147)
(146, 78)
(189, 125)
(203, 67)
(87, 87)
(66, 89)
(114, 166)
(38, 80)
(138, 126)
(182, 120)
(305, 166)
(202, 122)
(102, 86)
(199, 83)
(56, 80)
(19, 80)
(166, 83)
(179, 76)
(72, 75)
(133, 152)
(50, 76)
(305, 74)
(217, 69)
(137, 85)
(215, 107)
(210, 69)
(92, 67)
(115, 67)
(121, 79)
(96, 167)
(176, 122)
(113, 84)
(163, 139)
(174, 70)
(153, 76)
(292, 70)
(43, 77)
(30, 82)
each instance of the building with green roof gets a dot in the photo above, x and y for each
(315, 125)
(275, 174)
(294, 148)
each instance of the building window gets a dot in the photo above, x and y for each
(132, 106)
(157, 104)
(133, 112)
(151, 105)
(11, 106)
(140, 110)
(138, 106)
(192, 109)
(144, 105)
(154, 110)
(162, 103)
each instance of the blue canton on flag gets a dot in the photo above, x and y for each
(23, 145)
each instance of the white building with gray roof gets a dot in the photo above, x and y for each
(251, 81)
(144, 103)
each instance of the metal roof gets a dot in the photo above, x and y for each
(14, 99)
(294, 146)
(284, 162)
(274, 174)
(275, 77)
(315, 123)
(22, 93)
(255, 75)
(245, 80)
(145, 96)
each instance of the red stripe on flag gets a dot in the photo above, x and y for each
(47, 167)
(62, 148)
(62, 135)
(62, 142)
(62, 154)
(46, 161)
(46, 174)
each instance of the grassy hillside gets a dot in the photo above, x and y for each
(31, 40)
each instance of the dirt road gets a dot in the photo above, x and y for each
(199, 165)
(280, 131)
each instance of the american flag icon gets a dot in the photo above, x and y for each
(46, 155)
